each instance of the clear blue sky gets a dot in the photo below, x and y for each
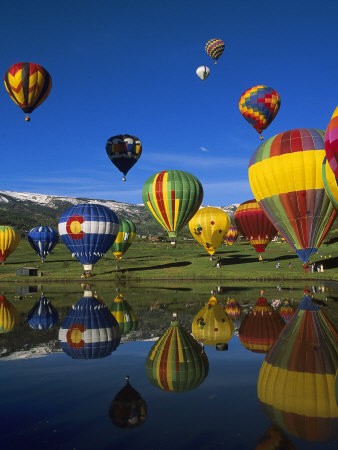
(129, 67)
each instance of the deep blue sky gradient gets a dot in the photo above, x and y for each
(129, 67)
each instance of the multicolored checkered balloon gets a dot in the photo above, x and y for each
(215, 48)
(259, 105)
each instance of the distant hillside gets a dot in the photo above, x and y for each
(25, 211)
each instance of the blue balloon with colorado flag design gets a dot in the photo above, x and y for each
(88, 231)
(89, 331)
(43, 239)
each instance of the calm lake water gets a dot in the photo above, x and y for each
(50, 400)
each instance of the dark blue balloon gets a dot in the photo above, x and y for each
(90, 330)
(43, 315)
(88, 231)
(43, 239)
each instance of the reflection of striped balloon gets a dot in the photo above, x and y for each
(124, 239)
(176, 362)
(215, 48)
(296, 380)
(9, 316)
(124, 314)
(254, 225)
(330, 183)
(89, 331)
(172, 197)
(43, 239)
(259, 105)
(9, 240)
(285, 177)
(231, 237)
(261, 327)
(28, 85)
(233, 309)
(43, 315)
(286, 311)
(331, 142)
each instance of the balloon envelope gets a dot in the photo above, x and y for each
(259, 105)
(9, 316)
(89, 331)
(43, 315)
(285, 175)
(331, 142)
(172, 197)
(124, 151)
(233, 309)
(43, 239)
(330, 183)
(9, 240)
(209, 226)
(215, 48)
(203, 72)
(124, 239)
(124, 314)
(253, 223)
(231, 236)
(28, 85)
(88, 231)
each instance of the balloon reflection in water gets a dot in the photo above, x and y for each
(124, 314)
(233, 309)
(128, 409)
(274, 439)
(296, 383)
(212, 326)
(9, 316)
(176, 362)
(286, 311)
(89, 331)
(43, 315)
(261, 327)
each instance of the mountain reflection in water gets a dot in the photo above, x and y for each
(211, 399)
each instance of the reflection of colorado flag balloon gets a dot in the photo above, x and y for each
(89, 331)
(88, 231)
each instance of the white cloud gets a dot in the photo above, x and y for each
(204, 149)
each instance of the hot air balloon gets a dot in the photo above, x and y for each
(231, 236)
(261, 327)
(259, 105)
(43, 239)
(124, 239)
(274, 439)
(286, 180)
(43, 315)
(89, 331)
(124, 314)
(203, 72)
(9, 240)
(209, 226)
(88, 231)
(172, 197)
(286, 311)
(128, 409)
(9, 316)
(124, 151)
(331, 142)
(253, 223)
(176, 362)
(211, 325)
(330, 183)
(296, 381)
(28, 85)
(233, 309)
(215, 48)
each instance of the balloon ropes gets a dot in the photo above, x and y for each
(172, 197)
(124, 151)
(215, 48)
(88, 231)
(259, 105)
(28, 85)
(285, 175)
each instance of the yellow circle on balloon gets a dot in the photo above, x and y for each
(75, 227)
(76, 336)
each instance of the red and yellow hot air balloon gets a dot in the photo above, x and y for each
(9, 316)
(259, 105)
(231, 237)
(285, 175)
(261, 327)
(233, 309)
(253, 223)
(286, 311)
(9, 240)
(28, 85)
(296, 383)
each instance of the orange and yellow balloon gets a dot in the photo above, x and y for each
(9, 240)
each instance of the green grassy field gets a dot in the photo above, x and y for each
(146, 260)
